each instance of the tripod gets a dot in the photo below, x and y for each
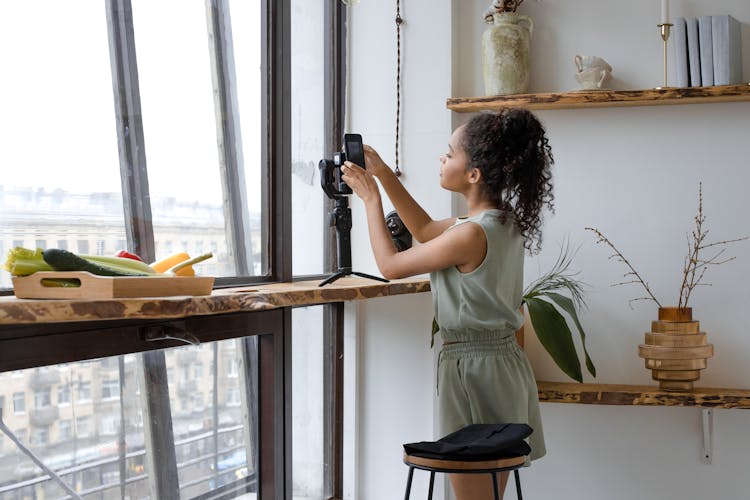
(341, 218)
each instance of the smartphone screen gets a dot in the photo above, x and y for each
(355, 153)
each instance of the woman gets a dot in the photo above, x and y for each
(500, 163)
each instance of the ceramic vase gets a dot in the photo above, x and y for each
(505, 48)
(675, 349)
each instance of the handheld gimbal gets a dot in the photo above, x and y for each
(341, 215)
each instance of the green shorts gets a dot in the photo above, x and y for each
(488, 382)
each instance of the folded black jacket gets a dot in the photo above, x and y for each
(476, 442)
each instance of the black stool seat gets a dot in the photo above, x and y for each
(475, 449)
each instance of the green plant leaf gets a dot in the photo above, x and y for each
(554, 334)
(567, 305)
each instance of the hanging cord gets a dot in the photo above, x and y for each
(399, 21)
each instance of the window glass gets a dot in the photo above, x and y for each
(307, 403)
(309, 222)
(174, 74)
(181, 114)
(246, 24)
(60, 168)
(80, 437)
(211, 422)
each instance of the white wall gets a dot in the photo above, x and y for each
(631, 172)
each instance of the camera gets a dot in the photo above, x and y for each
(330, 170)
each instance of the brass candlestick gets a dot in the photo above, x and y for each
(665, 29)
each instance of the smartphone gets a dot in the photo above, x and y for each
(354, 150)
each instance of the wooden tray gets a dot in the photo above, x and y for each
(106, 287)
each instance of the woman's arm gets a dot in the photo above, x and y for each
(463, 247)
(422, 227)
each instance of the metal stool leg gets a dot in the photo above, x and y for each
(495, 489)
(432, 482)
(408, 483)
(518, 484)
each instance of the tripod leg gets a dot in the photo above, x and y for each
(331, 278)
(370, 277)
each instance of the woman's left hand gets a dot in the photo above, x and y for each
(361, 181)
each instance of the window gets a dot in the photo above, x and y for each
(63, 395)
(64, 430)
(40, 436)
(83, 246)
(19, 402)
(84, 391)
(83, 427)
(214, 125)
(233, 396)
(232, 369)
(110, 389)
(42, 398)
(109, 425)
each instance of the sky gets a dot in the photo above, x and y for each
(57, 116)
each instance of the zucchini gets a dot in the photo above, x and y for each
(63, 260)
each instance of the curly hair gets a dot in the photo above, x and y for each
(511, 150)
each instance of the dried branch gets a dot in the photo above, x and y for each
(693, 263)
(619, 256)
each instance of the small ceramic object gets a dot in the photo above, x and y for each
(592, 73)
(586, 62)
(592, 78)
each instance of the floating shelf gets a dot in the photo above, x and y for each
(641, 395)
(603, 98)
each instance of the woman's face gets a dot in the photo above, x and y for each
(454, 172)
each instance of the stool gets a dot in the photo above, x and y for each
(464, 467)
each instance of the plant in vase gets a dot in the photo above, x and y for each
(545, 302)
(675, 349)
(505, 48)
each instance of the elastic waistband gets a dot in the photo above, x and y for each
(475, 335)
(507, 345)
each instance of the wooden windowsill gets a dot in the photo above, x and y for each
(641, 395)
(15, 311)
(603, 98)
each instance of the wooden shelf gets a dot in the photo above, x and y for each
(259, 297)
(641, 395)
(603, 98)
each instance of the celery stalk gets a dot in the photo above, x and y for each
(24, 261)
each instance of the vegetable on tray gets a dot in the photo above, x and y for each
(23, 262)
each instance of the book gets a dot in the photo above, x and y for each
(727, 50)
(682, 75)
(705, 41)
(694, 53)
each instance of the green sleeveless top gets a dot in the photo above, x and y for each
(482, 304)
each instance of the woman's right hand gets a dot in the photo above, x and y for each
(375, 165)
